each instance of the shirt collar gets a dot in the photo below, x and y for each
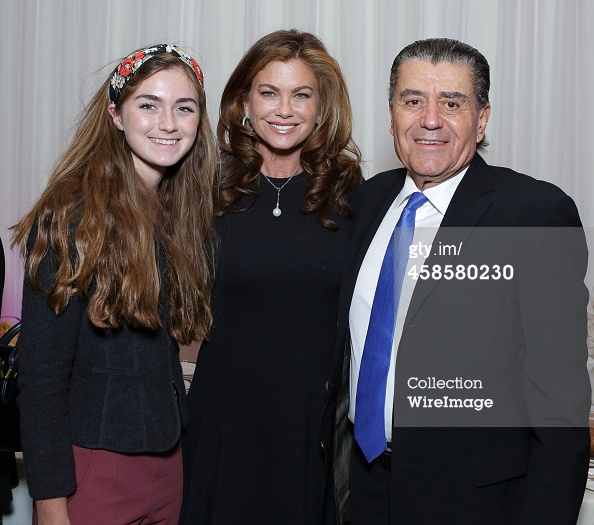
(439, 196)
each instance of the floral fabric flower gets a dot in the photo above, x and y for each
(132, 62)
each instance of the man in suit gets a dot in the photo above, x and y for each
(462, 323)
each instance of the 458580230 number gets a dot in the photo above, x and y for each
(472, 272)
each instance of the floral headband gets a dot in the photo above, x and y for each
(132, 62)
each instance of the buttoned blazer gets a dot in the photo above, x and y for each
(531, 331)
(118, 389)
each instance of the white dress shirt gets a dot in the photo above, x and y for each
(427, 220)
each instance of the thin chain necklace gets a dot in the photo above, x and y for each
(277, 211)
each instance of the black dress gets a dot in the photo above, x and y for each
(252, 452)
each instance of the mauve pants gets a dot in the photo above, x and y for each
(126, 489)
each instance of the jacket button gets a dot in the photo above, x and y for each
(327, 386)
(322, 445)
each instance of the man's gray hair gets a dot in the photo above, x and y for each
(436, 50)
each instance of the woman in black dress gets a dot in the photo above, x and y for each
(252, 452)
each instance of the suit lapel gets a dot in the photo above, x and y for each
(470, 202)
(473, 196)
(367, 221)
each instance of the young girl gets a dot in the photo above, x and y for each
(118, 272)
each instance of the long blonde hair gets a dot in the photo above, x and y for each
(104, 227)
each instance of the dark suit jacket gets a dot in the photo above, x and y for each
(525, 460)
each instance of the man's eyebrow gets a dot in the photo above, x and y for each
(453, 94)
(408, 92)
(456, 95)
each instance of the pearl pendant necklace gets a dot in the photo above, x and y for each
(277, 211)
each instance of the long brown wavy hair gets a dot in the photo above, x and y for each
(329, 154)
(102, 223)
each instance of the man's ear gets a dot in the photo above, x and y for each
(116, 117)
(484, 114)
(391, 120)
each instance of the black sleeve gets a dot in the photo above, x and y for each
(47, 347)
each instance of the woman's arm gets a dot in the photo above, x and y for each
(52, 511)
(47, 347)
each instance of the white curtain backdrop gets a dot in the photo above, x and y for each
(53, 53)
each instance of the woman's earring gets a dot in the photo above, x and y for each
(244, 120)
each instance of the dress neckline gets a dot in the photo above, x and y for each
(299, 176)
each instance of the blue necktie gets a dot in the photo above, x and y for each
(375, 363)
